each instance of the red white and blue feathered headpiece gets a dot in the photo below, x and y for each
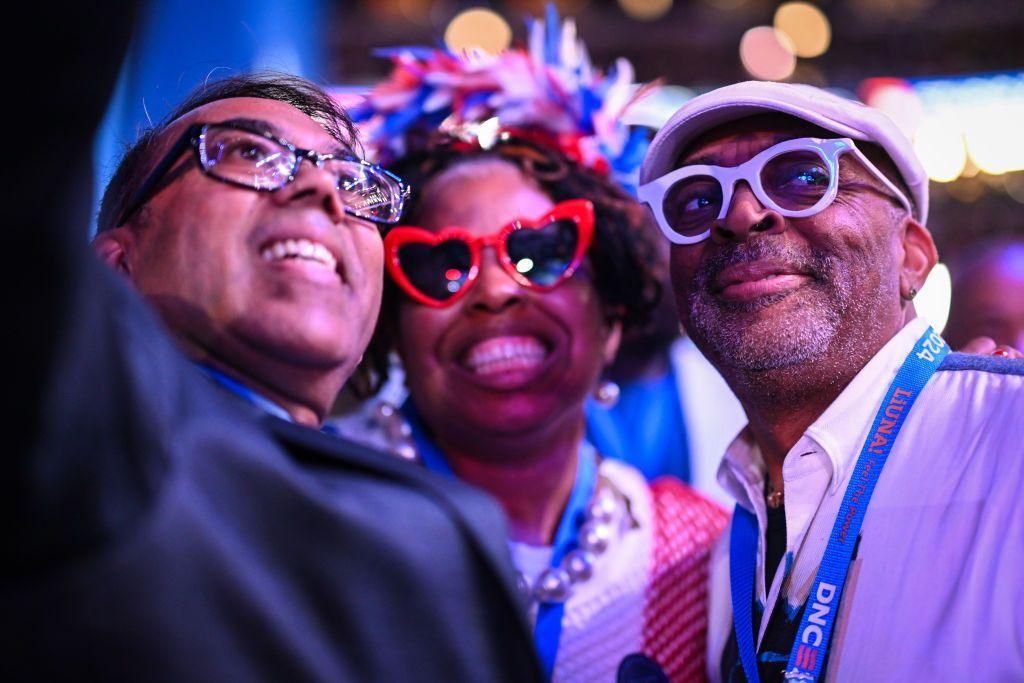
(548, 94)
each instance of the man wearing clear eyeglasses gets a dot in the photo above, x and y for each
(266, 273)
(878, 533)
(175, 517)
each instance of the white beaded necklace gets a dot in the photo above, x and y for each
(555, 584)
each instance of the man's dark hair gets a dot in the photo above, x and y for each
(304, 95)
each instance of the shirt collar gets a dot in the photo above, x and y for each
(742, 468)
(244, 392)
(839, 431)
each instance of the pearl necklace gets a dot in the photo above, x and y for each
(555, 584)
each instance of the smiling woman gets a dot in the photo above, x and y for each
(511, 281)
(512, 276)
(507, 361)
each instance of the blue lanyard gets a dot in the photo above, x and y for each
(244, 392)
(811, 645)
(548, 630)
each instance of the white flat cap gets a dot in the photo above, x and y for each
(840, 115)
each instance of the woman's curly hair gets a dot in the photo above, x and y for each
(622, 256)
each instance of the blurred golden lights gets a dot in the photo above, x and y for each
(646, 10)
(994, 140)
(767, 54)
(932, 302)
(940, 146)
(961, 128)
(806, 25)
(478, 29)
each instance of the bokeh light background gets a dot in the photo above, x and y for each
(950, 72)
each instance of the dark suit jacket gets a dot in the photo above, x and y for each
(158, 531)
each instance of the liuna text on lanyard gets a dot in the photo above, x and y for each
(807, 657)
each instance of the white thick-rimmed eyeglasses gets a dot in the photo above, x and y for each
(796, 178)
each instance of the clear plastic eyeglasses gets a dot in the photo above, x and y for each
(263, 162)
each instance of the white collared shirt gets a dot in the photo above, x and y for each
(936, 590)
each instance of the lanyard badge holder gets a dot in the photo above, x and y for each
(810, 647)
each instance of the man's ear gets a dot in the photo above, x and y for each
(919, 257)
(114, 247)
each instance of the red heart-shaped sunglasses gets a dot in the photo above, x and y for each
(437, 268)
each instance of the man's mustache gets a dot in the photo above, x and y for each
(809, 261)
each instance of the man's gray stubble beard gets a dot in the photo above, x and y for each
(806, 333)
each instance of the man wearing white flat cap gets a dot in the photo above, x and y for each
(879, 533)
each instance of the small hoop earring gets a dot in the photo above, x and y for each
(607, 394)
